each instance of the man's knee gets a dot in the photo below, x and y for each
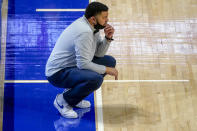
(96, 80)
(112, 61)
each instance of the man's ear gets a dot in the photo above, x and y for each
(93, 19)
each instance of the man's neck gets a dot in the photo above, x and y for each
(91, 23)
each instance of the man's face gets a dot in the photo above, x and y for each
(102, 18)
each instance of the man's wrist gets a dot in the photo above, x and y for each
(107, 70)
(109, 39)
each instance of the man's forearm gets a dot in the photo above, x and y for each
(102, 48)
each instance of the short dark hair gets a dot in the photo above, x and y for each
(95, 8)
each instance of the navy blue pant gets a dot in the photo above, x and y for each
(81, 82)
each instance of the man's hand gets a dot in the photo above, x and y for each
(112, 72)
(109, 31)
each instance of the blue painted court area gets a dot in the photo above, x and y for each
(29, 6)
(30, 40)
(31, 37)
(29, 107)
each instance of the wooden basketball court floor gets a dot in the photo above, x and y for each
(156, 51)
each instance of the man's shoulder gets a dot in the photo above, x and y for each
(81, 26)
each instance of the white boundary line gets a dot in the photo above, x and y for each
(126, 81)
(58, 10)
(99, 105)
(26, 81)
(106, 81)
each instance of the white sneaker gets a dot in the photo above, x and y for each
(83, 104)
(64, 109)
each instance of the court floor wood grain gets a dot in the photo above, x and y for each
(154, 40)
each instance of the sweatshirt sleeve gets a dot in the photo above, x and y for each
(85, 53)
(102, 46)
